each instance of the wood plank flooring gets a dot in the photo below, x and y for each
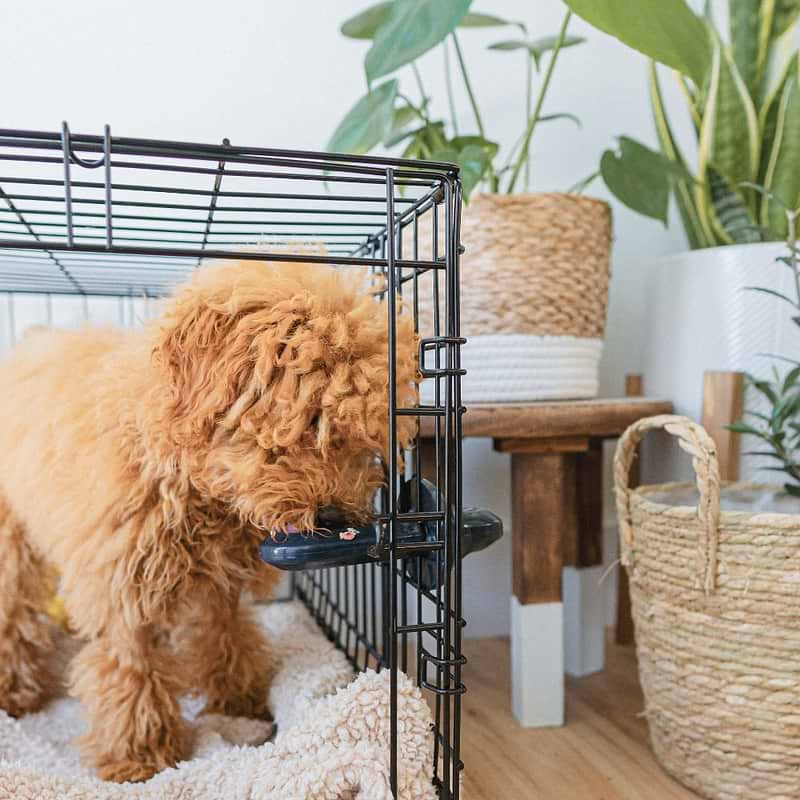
(601, 754)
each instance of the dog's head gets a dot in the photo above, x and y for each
(279, 386)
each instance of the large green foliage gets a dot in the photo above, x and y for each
(743, 95)
(400, 32)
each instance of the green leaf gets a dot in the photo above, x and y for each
(639, 177)
(791, 379)
(460, 142)
(765, 387)
(782, 177)
(745, 24)
(729, 135)
(667, 31)
(771, 292)
(509, 45)
(365, 24)
(474, 161)
(742, 427)
(768, 114)
(367, 123)
(560, 115)
(412, 28)
(536, 47)
(475, 20)
(401, 119)
(683, 188)
(732, 219)
(785, 15)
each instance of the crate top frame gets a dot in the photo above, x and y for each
(102, 215)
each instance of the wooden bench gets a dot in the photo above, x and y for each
(557, 537)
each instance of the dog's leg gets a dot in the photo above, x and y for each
(24, 634)
(128, 683)
(228, 658)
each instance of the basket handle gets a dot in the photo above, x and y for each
(694, 440)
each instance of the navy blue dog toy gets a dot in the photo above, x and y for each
(342, 545)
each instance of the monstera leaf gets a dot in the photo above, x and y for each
(365, 24)
(412, 28)
(639, 177)
(667, 31)
(367, 123)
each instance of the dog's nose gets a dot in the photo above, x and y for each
(330, 517)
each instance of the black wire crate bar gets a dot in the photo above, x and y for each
(101, 216)
(80, 214)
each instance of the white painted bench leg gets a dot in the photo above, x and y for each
(584, 620)
(537, 663)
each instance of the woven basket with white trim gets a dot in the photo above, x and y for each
(534, 292)
(716, 606)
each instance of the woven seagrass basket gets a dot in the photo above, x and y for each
(534, 292)
(716, 605)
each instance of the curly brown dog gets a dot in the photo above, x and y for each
(146, 465)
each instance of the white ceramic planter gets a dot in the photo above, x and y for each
(700, 317)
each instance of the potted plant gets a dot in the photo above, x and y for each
(535, 272)
(741, 85)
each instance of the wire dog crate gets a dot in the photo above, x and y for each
(104, 216)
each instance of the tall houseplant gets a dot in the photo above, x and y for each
(533, 334)
(742, 93)
(739, 75)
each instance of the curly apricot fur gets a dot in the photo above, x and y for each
(147, 464)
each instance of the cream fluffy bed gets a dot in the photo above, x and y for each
(332, 740)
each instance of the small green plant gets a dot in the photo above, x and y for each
(400, 32)
(742, 91)
(779, 430)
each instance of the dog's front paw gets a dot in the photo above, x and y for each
(251, 704)
(148, 760)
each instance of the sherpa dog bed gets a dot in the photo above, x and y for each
(332, 741)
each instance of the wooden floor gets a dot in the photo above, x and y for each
(601, 754)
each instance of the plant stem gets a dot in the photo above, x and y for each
(534, 118)
(418, 78)
(418, 110)
(468, 85)
(494, 183)
(449, 83)
(528, 104)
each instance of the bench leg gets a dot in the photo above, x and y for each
(543, 509)
(584, 597)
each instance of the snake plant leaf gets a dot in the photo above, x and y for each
(784, 15)
(367, 123)
(782, 177)
(412, 28)
(639, 177)
(731, 218)
(745, 22)
(729, 134)
(475, 20)
(667, 31)
(682, 186)
(365, 24)
(768, 114)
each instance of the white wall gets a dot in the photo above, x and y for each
(278, 74)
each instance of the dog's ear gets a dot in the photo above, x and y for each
(203, 345)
